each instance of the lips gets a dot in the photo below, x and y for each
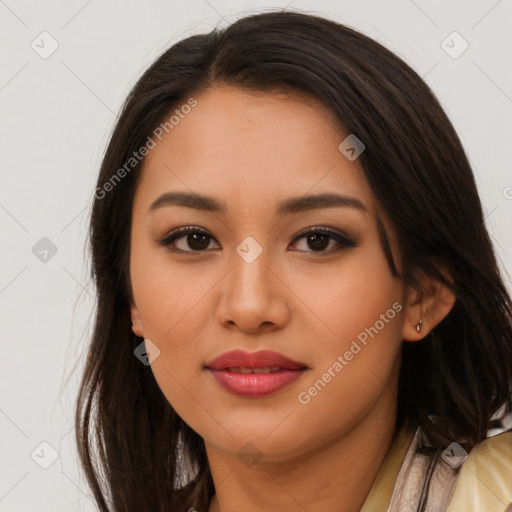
(248, 369)
(255, 374)
(237, 359)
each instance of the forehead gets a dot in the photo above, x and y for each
(264, 145)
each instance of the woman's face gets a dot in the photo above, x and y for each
(254, 278)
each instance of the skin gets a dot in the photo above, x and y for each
(251, 151)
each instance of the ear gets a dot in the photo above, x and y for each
(136, 322)
(425, 310)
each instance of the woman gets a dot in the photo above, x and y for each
(299, 307)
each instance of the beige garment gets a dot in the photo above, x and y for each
(484, 483)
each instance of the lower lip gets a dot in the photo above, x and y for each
(255, 384)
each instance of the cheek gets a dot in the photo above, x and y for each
(168, 296)
(359, 305)
(353, 298)
(171, 301)
(357, 357)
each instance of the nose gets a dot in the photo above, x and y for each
(254, 298)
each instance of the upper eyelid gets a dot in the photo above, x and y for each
(183, 231)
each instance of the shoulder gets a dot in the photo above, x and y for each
(485, 481)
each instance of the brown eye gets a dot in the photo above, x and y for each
(195, 239)
(318, 240)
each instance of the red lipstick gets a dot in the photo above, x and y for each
(254, 374)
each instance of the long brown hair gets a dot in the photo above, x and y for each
(135, 450)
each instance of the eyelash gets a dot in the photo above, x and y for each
(178, 233)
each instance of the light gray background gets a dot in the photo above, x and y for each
(56, 116)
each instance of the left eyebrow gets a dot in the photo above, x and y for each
(286, 207)
(318, 201)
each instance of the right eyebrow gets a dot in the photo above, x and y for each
(189, 200)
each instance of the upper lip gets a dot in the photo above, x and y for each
(261, 359)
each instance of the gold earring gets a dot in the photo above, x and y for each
(419, 324)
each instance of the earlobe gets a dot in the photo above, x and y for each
(136, 322)
(414, 326)
(424, 311)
